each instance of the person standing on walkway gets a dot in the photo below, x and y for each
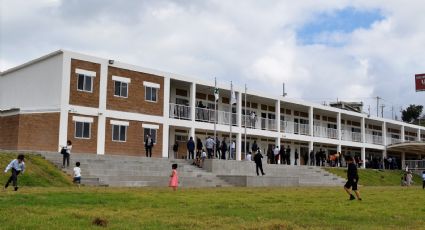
(217, 148)
(66, 153)
(209, 143)
(352, 179)
(296, 156)
(282, 155)
(191, 148)
(276, 154)
(176, 149)
(259, 163)
(223, 149)
(288, 155)
(148, 145)
(254, 147)
(311, 160)
(18, 166)
(232, 150)
(199, 147)
(174, 178)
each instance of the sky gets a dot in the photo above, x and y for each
(322, 50)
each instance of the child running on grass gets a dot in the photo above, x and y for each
(174, 178)
(77, 174)
(17, 166)
(352, 179)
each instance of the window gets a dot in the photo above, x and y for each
(151, 94)
(85, 83)
(119, 133)
(82, 130)
(121, 89)
(151, 132)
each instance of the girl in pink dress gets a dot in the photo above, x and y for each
(174, 178)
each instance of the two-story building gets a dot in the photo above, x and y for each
(107, 107)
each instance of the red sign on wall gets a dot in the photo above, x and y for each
(420, 82)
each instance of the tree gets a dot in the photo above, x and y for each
(412, 113)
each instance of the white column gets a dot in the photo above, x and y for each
(310, 120)
(419, 135)
(166, 97)
(363, 157)
(278, 117)
(403, 158)
(65, 88)
(192, 101)
(338, 125)
(239, 109)
(384, 134)
(101, 122)
(339, 148)
(165, 140)
(363, 129)
(402, 133)
(238, 146)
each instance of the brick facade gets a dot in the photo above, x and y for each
(134, 145)
(89, 99)
(135, 102)
(82, 145)
(39, 132)
(9, 130)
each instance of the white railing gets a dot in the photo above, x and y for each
(296, 128)
(209, 115)
(320, 131)
(180, 111)
(259, 123)
(374, 139)
(410, 138)
(351, 136)
(391, 140)
(414, 164)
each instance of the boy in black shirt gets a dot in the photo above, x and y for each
(352, 179)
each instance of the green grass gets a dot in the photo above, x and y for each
(221, 208)
(375, 177)
(39, 172)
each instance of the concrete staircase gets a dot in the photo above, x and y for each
(130, 171)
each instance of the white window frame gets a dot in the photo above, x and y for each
(121, 89)
(153, 127)
(75, 130)
(119, 134)
(156, 94)
(85, 73)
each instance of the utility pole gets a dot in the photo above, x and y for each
(377, 105)
(368, 109)
(392, 112)
(382, 110)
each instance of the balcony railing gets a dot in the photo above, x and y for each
(391, 140)
(296, 128)
(410, 138)
(209, 115)
(180, 111)
(259, 123)
(351, 136)
(373, 139)
(320, 131)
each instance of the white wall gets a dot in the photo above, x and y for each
(37, 86)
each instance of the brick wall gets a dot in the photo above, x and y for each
(82, 145)
(9, 127)
(135, 102)
(80, 97)
(134, 144)
(39, 131)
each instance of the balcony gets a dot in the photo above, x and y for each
(209, 115)
(180, 111)
(374, 139)
(351, 136)
(391, 140)
(261, 123)
(320, 131)
(295, 128)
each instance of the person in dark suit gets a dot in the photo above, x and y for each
(148, 145)
(191, 148)
(259, 163)
(223, 149)
(254, 147)
(282, 155)
(288, 155)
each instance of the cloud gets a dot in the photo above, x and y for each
(253, 42)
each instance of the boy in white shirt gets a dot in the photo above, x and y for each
(248, 157)
(77, 174)
(18, 166)
(423, 179)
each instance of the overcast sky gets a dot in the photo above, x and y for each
(322, 50)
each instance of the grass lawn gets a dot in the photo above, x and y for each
(218, 208)
(38, 172)
(375, 177)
